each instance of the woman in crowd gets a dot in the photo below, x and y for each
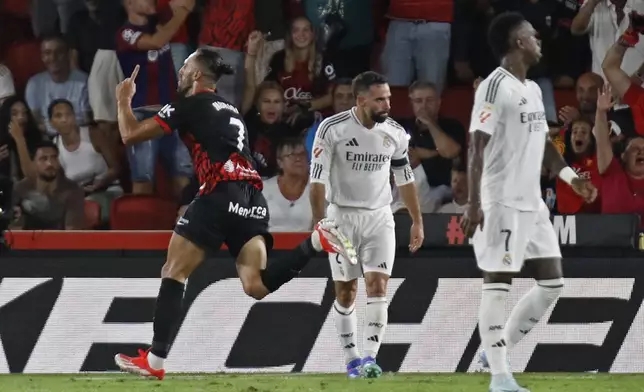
(86, 157)
(266, 126)
(19, 135)
(287, 194)
(300, 69)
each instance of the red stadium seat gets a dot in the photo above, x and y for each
(92, 214)
(23, 59)
(16, 8)
(142, 212)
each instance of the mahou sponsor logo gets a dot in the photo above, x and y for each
(67, 325)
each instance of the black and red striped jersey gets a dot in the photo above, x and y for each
(216, 136)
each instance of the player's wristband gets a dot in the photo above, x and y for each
(567, 175)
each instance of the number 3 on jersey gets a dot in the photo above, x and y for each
(241, 132)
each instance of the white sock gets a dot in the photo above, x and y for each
(346, 323)
(529, 310)
(375, 324)
(491, 320)
(315, 241)
(155, 362)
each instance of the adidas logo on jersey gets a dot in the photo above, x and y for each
(523, 101)
(353, 142)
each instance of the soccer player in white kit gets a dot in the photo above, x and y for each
(506, 215)
(353, 154)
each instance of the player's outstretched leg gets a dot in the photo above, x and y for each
(183, 257)
(346, 325)
(260, 278)
(375, 322)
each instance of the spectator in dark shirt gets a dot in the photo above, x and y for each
(19, 136)
(48, 201)
(303, 72)
(267, 128)
(435, 140)
(142, 42)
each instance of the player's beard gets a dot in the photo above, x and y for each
(183, 91)
(379, 117)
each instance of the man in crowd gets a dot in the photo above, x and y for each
(50, 201)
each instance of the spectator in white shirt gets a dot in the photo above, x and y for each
(459, 190)
(287, 194)
(7, 88)
(605, 21)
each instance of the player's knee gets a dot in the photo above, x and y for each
(174, 269)
(345, 292)
(550, 289)
(376, 284)
(254, 288)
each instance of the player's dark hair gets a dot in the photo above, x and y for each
(365, 80)
(55, 37)
(420, 85)
(43, 144)
(500, 31)
(341, 82)
(56, 102)
(214, 63)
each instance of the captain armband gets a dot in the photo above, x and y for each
(403, 173)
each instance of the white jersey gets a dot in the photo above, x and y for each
(512, 113)
(354, 162)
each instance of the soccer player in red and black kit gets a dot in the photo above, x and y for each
(229, 208)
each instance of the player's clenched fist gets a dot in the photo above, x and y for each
(585, 189)
(127, 88)
(472, 218)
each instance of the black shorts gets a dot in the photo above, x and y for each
(232, 214)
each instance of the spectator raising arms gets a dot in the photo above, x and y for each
(302, 72)
(86, 156)
(622, 180)
(141, 42)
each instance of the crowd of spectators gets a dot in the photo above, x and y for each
(294, 61)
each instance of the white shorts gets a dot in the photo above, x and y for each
(372, 233)
(510, 236)
(106, 73)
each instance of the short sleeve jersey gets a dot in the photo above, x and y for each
(355, 162)
(512, 113)
(216, 136)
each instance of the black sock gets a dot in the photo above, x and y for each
(166, 315)
(285, 268)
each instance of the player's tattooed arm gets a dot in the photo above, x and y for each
(478, 142)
